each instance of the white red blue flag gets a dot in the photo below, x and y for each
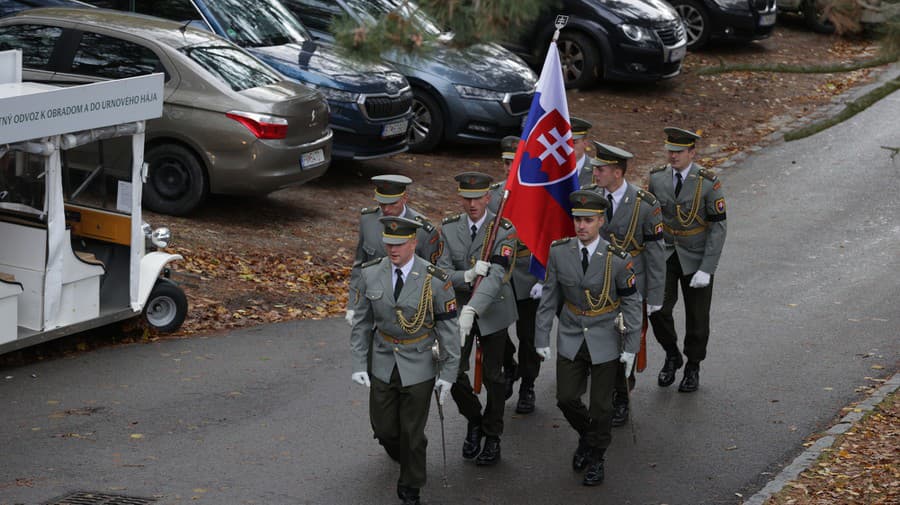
(544, 171)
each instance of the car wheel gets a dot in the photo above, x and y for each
(166, 307)
(176, 183)
(814, 13)
(579, 58)
(427, 128)
(696, 22)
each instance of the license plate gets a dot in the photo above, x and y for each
(395, 128)
(767, 19)
(312, 158)
(677, 54)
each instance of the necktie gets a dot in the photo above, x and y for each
(609, 212)
(584, 259)
(678, 183)
(399, 284)
(474, 231)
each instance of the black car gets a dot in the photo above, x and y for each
(623, 40)
(740, 20)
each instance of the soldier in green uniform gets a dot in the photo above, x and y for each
(391, 193)
(411, 304)
(633, 223)
(580, 128)
(693, 212)
(493, 304)
(593, 281)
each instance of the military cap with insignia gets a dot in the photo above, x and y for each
(580, 127)
(605, 154)
(390, 188)
(473, 184)
(678, 139)
(398, 230)
(508, 147)
(587, 203)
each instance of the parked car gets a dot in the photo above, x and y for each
(813, 12)
(230, 124)
(371, 105)
(622, 40)
(10, 7)
(478, 94)
(742, 20)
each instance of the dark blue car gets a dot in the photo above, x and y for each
(371, 105)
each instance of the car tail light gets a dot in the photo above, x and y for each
(263, 127)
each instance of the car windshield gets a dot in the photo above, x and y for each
(370, 10)
(257, 24)
(232, 66)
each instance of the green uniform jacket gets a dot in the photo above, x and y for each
(585, 171)
(497, 189)
(378, 308)
(645, 245)
(494, 301)
(696, 234)
(370, 245)
(565, 286)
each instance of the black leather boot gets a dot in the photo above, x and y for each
(691, 380)
(667, 374)
(408, 495)
(594, 474)
(490, 455)
(525, 404)
(581, 456)
(620, 411)
(472, 443)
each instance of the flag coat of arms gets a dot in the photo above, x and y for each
(544, 172)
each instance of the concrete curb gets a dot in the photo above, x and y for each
(808, 457)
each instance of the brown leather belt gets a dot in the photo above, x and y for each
(684, 233)
(591, 313)
(404, 341)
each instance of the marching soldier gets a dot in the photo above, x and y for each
(493, 304)
(633, 223)
(693, 213)
(580, 128)
(593, 281)
(411, 304)
(392, 195)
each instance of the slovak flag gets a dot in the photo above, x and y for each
(544, 172)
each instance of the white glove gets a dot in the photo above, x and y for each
(628, 359)
(536, 291)
(544, 353)
(700, 279)
(349, 316)
(481, 268)
(653, 308)
(361, 378)
(443, 389)
(466, 320)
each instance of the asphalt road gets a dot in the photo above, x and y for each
(805, 305)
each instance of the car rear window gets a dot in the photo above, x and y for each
(233, 67)
(35, 41)
(102, 56)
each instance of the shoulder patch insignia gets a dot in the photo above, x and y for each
(450, 306)
(646, 196)
(658, 169)
(451, 219)
(561, 241)
(717, 185)
(371, 262)
(437, 272)
(506, 223)
(618, 252)
(426, 224)
(497, 185)
(631, 281)
(368, 210)
(707, 174)
(720, 205)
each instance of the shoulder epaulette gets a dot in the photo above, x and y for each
(368, 210)
(622, 253)
(506, 223)
(452, 219)
(707, 174)
(426, 224)
(371, 262)
(561, 241)
(437, 272)
(591, 187)
(658, 169)
(497, 185)
(646, 196)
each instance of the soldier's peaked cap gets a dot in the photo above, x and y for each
(605, 154)
(587, 203)
(390, 188)
(508, 147)
(473, 184)
(580, 127)
(678, 139)
(398, 230)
